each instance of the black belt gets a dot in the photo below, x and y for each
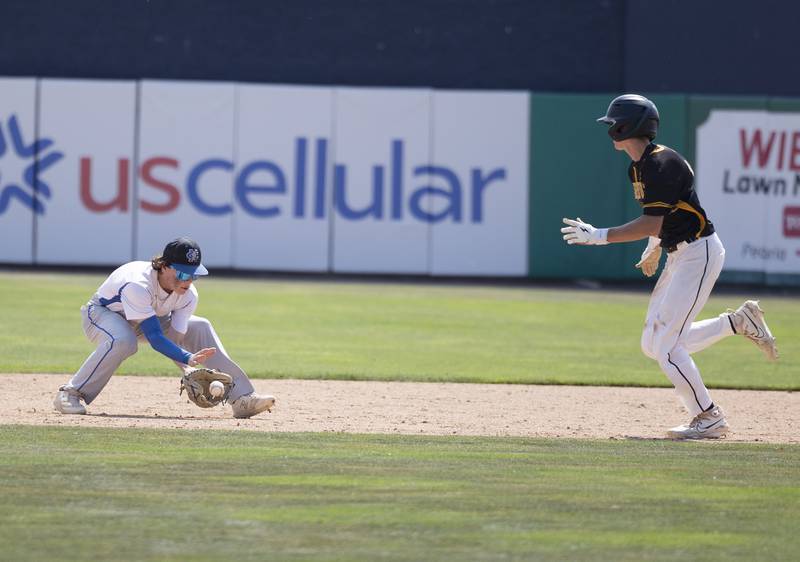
(674, 246)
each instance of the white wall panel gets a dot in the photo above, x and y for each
(381, 136)
(480, 174)
(277, 177)
(186, 158)
(748, 181)
(17, 130)
(89, 220)
(283, 188)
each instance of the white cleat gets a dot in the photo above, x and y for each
(68, 403)
(251, 404)
(748, 320)
(707, 425)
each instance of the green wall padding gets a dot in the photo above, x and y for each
(575, 171)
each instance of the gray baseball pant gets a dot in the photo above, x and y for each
(117, 339)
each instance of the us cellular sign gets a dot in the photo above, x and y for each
(266, 177)
(283, 177)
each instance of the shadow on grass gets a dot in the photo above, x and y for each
(151, 417)
(655, 439)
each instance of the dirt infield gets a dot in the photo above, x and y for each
(412, 408)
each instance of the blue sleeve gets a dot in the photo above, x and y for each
(151, 329)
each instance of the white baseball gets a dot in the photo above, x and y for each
(216, 389)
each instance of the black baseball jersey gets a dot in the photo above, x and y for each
(663, 183)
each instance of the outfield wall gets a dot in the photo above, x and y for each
(746, 156)
(265, 177)
(373, 180)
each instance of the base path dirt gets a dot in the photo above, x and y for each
(411, 408)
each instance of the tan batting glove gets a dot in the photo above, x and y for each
(650, 257)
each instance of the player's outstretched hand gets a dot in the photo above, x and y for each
(202, 356)
(579, 232)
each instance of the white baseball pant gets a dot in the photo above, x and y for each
(670, 333)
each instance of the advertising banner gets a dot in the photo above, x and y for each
(265, 177)
(748, 180)
(382, 139)
(283, 178)
(479, 183)
(186, 167)
(18, 151)
(89, 219)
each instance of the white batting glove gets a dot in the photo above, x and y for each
(650, 257)
(579, 232)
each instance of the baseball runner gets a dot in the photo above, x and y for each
(154, 301)
(673, 221)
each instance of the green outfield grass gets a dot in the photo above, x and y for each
(107, 495)
(338, 330)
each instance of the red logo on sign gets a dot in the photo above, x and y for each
(791, 222)
(782, 147)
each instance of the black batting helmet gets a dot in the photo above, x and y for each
(631, 116)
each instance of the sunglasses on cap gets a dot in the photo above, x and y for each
(181, 276)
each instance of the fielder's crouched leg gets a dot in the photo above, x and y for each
(243, 398)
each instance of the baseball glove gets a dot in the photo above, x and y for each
(197, 381)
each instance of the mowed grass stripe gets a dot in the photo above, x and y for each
(373, 331)
(106, 494)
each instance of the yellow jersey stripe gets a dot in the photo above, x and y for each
(684, 206)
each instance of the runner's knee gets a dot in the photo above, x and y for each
(647, 341)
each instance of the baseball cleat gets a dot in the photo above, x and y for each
(251, 404)
(748, 320)
(68, 403)
(706, 425)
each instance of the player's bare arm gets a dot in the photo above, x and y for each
(638, 229)
(584, 234)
